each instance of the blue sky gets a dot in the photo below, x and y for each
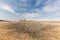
(40, 10)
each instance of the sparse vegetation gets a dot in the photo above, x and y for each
(26, 28)
(29, 30)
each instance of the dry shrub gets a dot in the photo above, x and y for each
(34, 30)
(18, 28)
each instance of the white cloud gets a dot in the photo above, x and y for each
(52, 8)
(30, 16)
(6, 7)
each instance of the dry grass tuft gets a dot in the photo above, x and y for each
(29, 30)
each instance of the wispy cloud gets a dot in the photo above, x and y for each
(32, 9)
(52, 7)
(30, 16)
(6, 7)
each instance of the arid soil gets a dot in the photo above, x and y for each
(29, 30)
